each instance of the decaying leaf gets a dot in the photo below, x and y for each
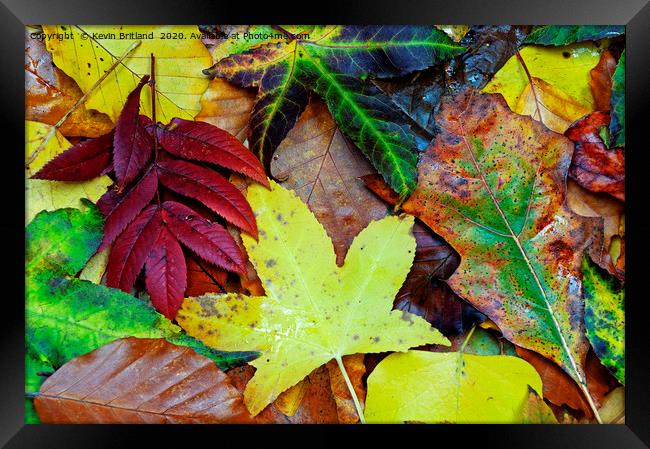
(178, 60)
(314, 311)
(594, 166)
(107, 386)
(50, 93)
(355, 369)
(493, 187)
(227, 106)
(450, 387)
(317, 162)
(605, 317)
(601, 81)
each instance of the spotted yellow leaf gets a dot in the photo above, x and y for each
(85, 52)
(314, 311)
(50, 195)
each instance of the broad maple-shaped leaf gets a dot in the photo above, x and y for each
(605, 317)
(333, 61)
(493, 186)
(450, 387)
(594, 166)
(314, 311)
(106, 386)
(569, 34)
(66, 316)
(617, 125)
(145, 234)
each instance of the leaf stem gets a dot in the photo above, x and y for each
(348, 382)
(469, 336)
(532, 84)
(79, 102)
(152, 85)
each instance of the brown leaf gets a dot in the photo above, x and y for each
(561, 390)
(607, 250)
(316, 407)
(137, 381)
(50, 93)
(355, 369)
(323, 168)
(203, 277)
(227, 106)
(601, 81)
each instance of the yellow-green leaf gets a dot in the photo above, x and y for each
(314, 310)
(561, 78)
(92, 49)
(452, 387)
(50, 195)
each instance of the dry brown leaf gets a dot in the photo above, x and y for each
(227, 106)
(138, 381)
(50, 93)
(324, 169)
(356, 369)
(601, 81)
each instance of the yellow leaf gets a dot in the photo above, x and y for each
(179, 61)
(96, 266)
(51, 195)
(549, 105)
(452, 387)
(562, 72)
(289, 401)
(314, 310)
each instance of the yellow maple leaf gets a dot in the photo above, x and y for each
(84, 53)
(314, 310)
(50, 195)
(556, 88)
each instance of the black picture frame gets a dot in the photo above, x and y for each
(15, 14)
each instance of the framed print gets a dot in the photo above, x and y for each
(423, 216)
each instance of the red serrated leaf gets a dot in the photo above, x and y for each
(211, 189)
(107, 202)
(132, 248)
(208, 240)
(81, 162)
(166, 274)
(127, 206)
(132, 144)
(204, 142)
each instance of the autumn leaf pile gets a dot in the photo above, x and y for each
(326, 224)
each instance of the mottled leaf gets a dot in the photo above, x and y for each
(617, 125)
(569, 34)
(605, 317)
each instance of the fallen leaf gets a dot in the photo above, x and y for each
(227, 106)
(493, 187)
(617, 125)
(94, 270)
(179, 59)
(314, 311)
(50, 195)
(594, 166)
(608, 252)
(333, 61)
(536, 411)
(601, 81)
(356, 369)
(203, 277)
(456, 32)
(561, 390)
(50, 94)
(613, 409)
(317, 162)
(449, 387)
(289, 400)
(605, 317)
(566, 69)
(569, 34)
(67, 317)
(104, 387)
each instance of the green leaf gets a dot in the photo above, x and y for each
(67, 317)
(493, 186)
(314, 311)
(334, 61)
(605, 317)
(568, 34)
(452, 387)
(617, 124)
